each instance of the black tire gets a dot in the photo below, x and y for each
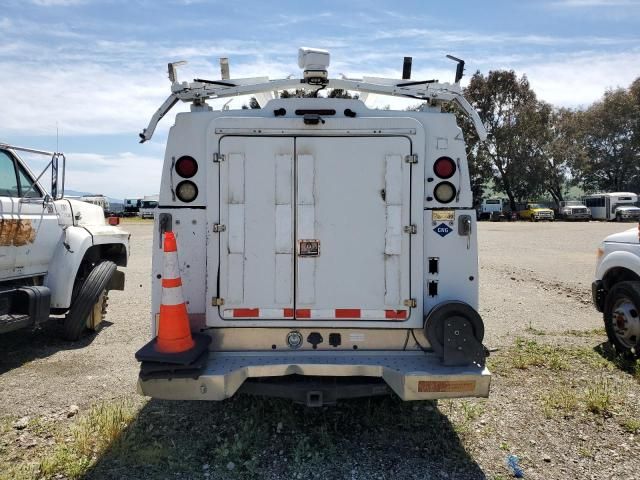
(631, 292)
(89, 293)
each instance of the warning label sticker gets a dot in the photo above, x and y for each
(456, 386)
(443, 215)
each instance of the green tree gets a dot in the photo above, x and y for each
(610, 132)
(517, 124)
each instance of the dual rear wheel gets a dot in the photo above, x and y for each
(622, 317)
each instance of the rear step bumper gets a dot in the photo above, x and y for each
(411, 375)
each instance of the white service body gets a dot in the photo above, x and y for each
(317, 217)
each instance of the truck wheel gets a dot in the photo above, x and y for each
(622, 317)
(90, 299)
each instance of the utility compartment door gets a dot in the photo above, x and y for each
(256, 245)
(352, 203)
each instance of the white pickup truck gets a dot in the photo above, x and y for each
(57, 255)
(616, 289)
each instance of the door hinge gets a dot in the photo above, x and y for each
(218, 157)
(411, 229)
(410, 302)
(413, 158)
(217, 301)
(218, 227)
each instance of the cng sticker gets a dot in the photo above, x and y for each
(443, 230)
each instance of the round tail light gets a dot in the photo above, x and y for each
(187, 191)
(186, 166)
(444, 167)
(444, 192)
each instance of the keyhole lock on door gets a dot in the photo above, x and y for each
(464, 228)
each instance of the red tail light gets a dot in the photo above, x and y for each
(444, 167)
(186, 166)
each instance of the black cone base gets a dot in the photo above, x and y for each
(148, 353)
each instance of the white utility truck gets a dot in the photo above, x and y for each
(328, 250)
(574, 210)
(57, 255)
(616, 289)
(491, 209)
(149, 206)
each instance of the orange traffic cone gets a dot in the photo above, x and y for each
(174, 333)
(174, 349)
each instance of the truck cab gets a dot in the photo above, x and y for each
(58, 258)
(340, 243)
(616, 289)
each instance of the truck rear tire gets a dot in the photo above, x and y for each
(91, 292)
(622, 317)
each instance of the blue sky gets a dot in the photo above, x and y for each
(96, 70)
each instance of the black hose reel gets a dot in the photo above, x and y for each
(455, 332)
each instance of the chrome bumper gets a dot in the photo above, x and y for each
(411, 375)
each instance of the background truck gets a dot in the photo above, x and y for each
(131, 207)
(573, 210)
(618, 206)
(491, 209)
(149, 206)
(535, 212)
(340, 242)
(57, 256)
(616, 289)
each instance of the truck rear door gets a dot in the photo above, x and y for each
(313, 229)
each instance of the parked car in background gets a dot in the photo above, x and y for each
(618, 206)
(574, 210)
(535, 212)
(616, 289)
(131, 207)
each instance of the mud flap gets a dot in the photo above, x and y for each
(39, 301)
(461, 348)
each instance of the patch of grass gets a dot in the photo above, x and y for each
(599, 397)
(92, 435)
(631, 425)
(562, 399)
(529, 353)
(595, 332)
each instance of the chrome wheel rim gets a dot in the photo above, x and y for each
(625, 320)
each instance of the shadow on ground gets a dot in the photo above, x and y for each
(248, 437)
(23, 346)
(627, 363)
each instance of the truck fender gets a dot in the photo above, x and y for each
(619, 259)
(65, 263)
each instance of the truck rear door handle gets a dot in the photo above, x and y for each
(165, 224)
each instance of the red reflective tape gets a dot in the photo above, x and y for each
(170, 244)
(246, 312)
(303, 313)
(171, 282)
(288, 313)
(395, 314)
(347, 313)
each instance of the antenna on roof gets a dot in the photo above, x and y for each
(406, 68)
(224, 68)
(459, 68)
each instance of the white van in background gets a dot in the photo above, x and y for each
(619, 206)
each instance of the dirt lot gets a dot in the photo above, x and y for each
(559, 401)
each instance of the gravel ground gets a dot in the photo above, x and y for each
(535, 286)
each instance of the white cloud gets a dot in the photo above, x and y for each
(121, 175)
(57, 3)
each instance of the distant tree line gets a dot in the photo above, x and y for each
(535, 149)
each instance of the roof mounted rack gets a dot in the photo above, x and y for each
(198, 91)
